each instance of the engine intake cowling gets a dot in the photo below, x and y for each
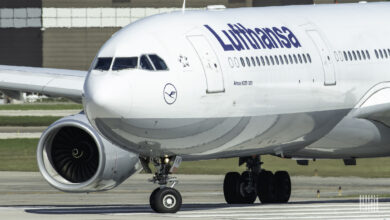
(73, 157)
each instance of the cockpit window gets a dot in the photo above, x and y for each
(122, 63)
(103, 63)
(145, 63)
(158, 63)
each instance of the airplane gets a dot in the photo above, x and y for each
(299, 82)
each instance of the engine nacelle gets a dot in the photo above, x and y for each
(73, 157)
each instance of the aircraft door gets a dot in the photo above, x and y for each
(210, 63)
(327, 64)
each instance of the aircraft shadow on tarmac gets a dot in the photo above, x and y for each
(121, 209)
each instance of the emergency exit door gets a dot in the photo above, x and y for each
(211, 66)
(327, 64)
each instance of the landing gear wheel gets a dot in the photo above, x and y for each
(247, 191)
(165, 200)
(231, 186)
(265, 187)
(282, 187)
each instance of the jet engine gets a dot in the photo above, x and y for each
(73, 157)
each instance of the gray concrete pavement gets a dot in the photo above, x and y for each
(57, 113)
(28, 196)
(20, 135)
(21, 132)
(20, 129)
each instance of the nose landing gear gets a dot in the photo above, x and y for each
(255, 182)
(165, 199)
(238, 189)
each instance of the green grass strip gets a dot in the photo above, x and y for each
(20, 155)
(42, 106)
(369, 168)
(27, 120)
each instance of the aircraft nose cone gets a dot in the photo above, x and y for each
(103, 96)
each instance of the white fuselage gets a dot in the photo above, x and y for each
(231, 88)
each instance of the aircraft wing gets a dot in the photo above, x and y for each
(52, 82)
(376, 107)
(379, 113)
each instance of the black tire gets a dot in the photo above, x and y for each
(265, 187)
(282, 186)
(152, 200)
(231, 187)
(245, 196)
(165, 200)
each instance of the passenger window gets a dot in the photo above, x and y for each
(341, 57)
(364, 55)
(262, 60)
(376, 54)
(295, 59)
(300, 58)
(281, 59)
(354, 55)
(336, 56)
(242, 62)
(385, 52)
(258, 61)
(345, 56)
(145, 63)
(380, 52)
(358, 54)
(253, 61)
(368, 55)
(121, 63)
(286, 59)
(231, 62)
(236, 62)
(308, 58)
(304, 58)
(272, 60)
(350, 56)
(266, 58)
(291, 60)
(276, 60)
(103, 63)
(158, 63)
(248, 62)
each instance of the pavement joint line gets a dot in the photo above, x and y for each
(279, 214)
(364, 217)
(269, 211)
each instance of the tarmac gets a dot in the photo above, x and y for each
(11, 132)
(57, 113)
(25, 195)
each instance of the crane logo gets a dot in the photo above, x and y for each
(170, 94)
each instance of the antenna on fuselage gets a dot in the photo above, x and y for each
(184, 6)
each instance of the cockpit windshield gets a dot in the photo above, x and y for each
(145, 63)
(151, 62)
(158, 63)
(103, 63)
(122, 63)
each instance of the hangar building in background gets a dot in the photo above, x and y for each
(68, 33)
